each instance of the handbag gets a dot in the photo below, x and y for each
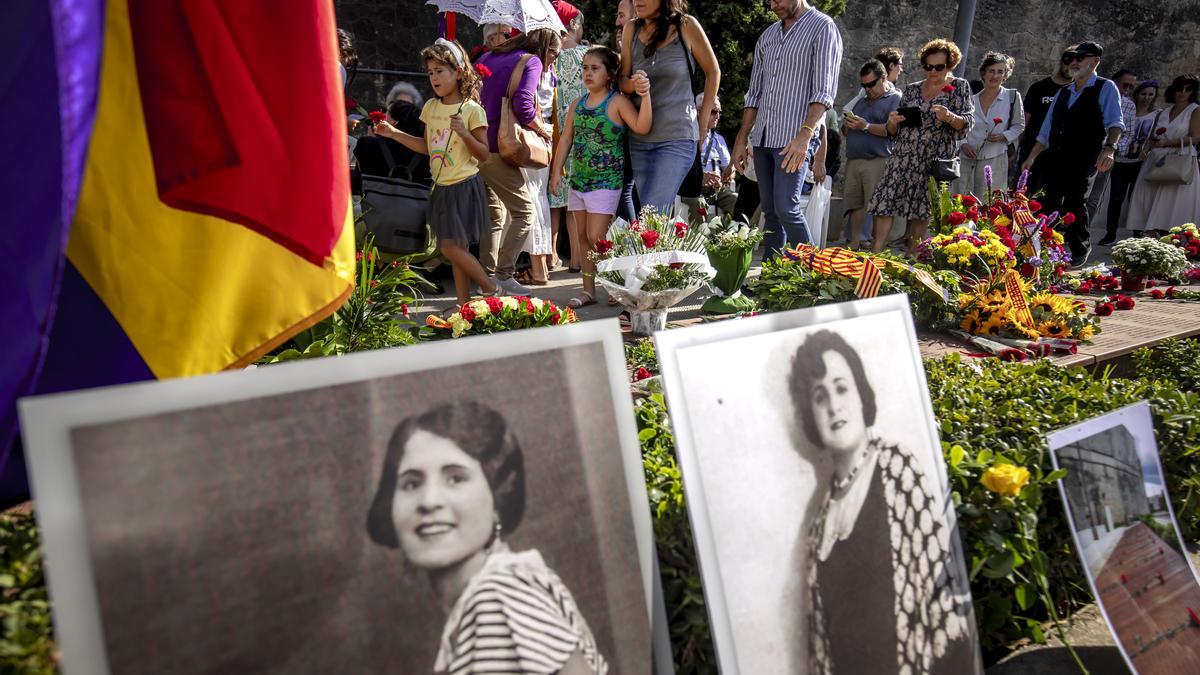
(394, 208)
(693, 183)
(944, 170)
(519, 145)
(1172, 167)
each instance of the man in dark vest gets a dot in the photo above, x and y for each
(1079, 136)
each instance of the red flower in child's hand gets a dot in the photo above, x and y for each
(1035, 206)
(650, 238)
(1125, 302)
(1068, 218)
(947, 89)
(1157, 294)
(604, 246)
(642, 374)
(681, 230)
(483, 70)
(996, 120)
(376, 116)
(1104, 309)
(466, 313)
(956, 218)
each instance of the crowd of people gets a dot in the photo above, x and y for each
(625, 127)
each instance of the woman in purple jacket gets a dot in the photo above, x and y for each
(506, 184)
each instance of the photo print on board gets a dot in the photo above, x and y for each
(818, 494)
(1127, 538)
(379, 512)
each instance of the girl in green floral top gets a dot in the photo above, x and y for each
(594, 137)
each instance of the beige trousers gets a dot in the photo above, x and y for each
(507, 196)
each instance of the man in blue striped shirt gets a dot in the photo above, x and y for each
(793, 83)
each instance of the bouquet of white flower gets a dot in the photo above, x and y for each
(1148, 257)
(650, 265)
(730, 245)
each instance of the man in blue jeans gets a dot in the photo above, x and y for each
(792, 84)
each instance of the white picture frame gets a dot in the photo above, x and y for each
(49, 422)
(1102, 499)
(746, 486)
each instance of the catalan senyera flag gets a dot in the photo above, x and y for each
(178, 193)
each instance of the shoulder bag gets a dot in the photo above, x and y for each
(394, 208)
(693, 183)
(519, 145)
(1172, 167)
(946, 170)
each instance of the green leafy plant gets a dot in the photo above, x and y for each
(27, 642)
(1019, 549)
(374, 316)
(640, 354)
(1172, 360)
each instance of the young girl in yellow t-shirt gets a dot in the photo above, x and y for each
(456, 141)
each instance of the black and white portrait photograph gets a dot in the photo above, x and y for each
(817, 491)
(1128, 540)
(456, 507)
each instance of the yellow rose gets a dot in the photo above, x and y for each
(1005, 479)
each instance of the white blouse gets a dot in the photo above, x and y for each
(1007, 106)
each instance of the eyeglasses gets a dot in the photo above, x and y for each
(929, 67)
(1067, 59)
(1076, 57)
(716, 111)
(872, 83)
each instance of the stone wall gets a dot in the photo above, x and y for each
(1156, 38)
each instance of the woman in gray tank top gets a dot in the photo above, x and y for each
(652, 48)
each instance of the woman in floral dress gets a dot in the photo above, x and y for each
(569, 89)
(945, 111)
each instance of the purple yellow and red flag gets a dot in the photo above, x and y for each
(177, 194)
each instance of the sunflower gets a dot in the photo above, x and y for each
(1043, 302)
(1055, 328)
(994, 324)
(970, 322)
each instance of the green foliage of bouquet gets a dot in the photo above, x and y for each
(784, 285)
(994, 417)
(27, 643)
(1173, 360)
(726, 236)
(1148, 257)
(375, 316)
(499, 314)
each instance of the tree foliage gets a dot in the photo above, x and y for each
(732, 26)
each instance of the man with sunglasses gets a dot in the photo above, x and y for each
(1079, 136)
(868, 144)
(1037, 103)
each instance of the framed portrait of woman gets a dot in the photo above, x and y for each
(450, 507)
(818, 494)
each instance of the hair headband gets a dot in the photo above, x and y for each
(453, 49)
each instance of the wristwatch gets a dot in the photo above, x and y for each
(1111, 145)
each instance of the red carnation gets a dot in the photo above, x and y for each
(483, 70)
(376, 116)
(1125, 302)
(1157, 294)
(1195, 617)
(973, 214)
(1171, 292)
(604, 246)
(351, 104)
(681, 230)
(1027, 270)
(1160, 131)
(947, 89)
(1011, 354)
(1035, 206)
(493, 303)
(1104, 308)
(358, 255)
(994, 212)
(1150, 283)
(1124, 579)
(374, 283)
(404, 309)
(969, 200)
(554, 318)
(957, 218)
(642, 374)
(702, 212)
(1068, 218)
(676, 266)
(996, 120)
(650, 238)
(467, 313)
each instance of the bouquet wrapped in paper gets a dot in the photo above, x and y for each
(650, 265)
(730, 246)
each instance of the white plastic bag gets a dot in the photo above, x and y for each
(816, 212)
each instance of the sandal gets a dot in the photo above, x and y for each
(582, 300)
(613, 302)
(536, 282)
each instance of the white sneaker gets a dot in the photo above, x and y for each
(511, 286)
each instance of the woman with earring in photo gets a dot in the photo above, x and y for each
(878, 530)
(452, 486)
